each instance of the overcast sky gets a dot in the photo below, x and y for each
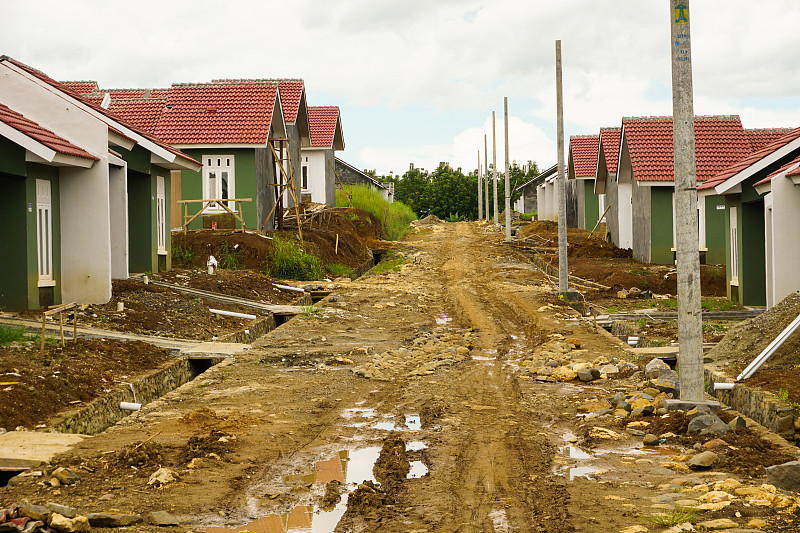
(417, 80)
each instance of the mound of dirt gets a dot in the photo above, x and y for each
(592, 247)
(747, 339)
(392, 465)
(430, 219)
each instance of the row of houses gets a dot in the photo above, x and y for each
(748, 206)
(93, 180)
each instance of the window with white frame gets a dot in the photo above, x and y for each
(304, 173)
(161, 222)
(44, 232)
(219, 181)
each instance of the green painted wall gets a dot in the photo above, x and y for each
(732, 200)
(12, 158)
(141, 222)
(716, 230)
(591, 203)
(43, 172)
(138, 159)
(244, 180)
(661, 225)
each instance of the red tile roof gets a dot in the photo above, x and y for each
(763, 137)
(611, 138)
(751, 159)
(291, 90)
(144, 113)
(323, 122)
(124, 94)
(583, 154)
(720, 141)
(208, 113)
(80, 87)
(784, 168)
(47, 79)
(42, 135)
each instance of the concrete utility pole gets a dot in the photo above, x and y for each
(563, 273)
(486, 172)
(480, 188)
(690, 321)
(494, 168)
(508, 177)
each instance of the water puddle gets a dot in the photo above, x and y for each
(418, 470)
(500, 521)
(413, 422)
(443, 320)
(577, 453)
(582, 471)
(415, 446)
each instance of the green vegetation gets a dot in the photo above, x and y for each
(390, 261)
(309, 310)
(395, 217)
(783, 395)
(718, 304)
(228, 256)
(447, 190)
(671, 518)
(338, 269)
(182, 256)
(671, 304)
(9, 334)
(453, 217)
(289, 260)
(528, 216)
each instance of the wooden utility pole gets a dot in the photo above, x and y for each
(486, 171)
(690, 321)
(480, 188)
(508, 176)
(494, 168)
(563, 273)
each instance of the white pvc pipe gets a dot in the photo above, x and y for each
(130, 406)
(288, 288)
(769, 350)
(723, 386)
(233, 314)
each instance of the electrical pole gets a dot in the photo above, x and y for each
(486, 171)
(508, 174)
(480, 188)
(494, 168)
(690, 321)
(563, 273)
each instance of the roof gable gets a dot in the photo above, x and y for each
(583, 156)
(214, 113)
(42, 135)
(326, 127)
(720, 141)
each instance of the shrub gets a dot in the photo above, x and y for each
(228, 256)
(9, 334)
(289, 260)
(338, 269)
(182, 256)
(395, 217)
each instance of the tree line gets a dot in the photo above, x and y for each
(449, 193)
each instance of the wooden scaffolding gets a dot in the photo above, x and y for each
(284, 174)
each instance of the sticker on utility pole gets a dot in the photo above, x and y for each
(681, 14)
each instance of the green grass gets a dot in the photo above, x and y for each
(338, 269)
(390, 262)
(527, 216)
(671, 518)
(290, 260)
(395, 217)
(228, 256)
(309, 310)
(718, 304)
(182, 256)
(9, 334)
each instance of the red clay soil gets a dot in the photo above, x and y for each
(356, 230)
(66, 377)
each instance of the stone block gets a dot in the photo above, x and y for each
(63, 510)
(785, 476)
(162, 518)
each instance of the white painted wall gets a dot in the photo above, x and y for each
(784, 254)
(316, 173)
(625, 215)
(85, 216)
(118, 210)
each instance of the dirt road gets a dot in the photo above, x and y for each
(270, 439)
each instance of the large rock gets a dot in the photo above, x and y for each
(63, 510)
(563, 373)
(785, 476)
(708, 424)
(655, 368)
(162, 518)
(36, 512)
(79, 524)
(588, 374)
(666, 386)
(609, 369)
(703, 460)
(113, 520)
(718, 524)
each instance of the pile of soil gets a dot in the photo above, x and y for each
(161, 311)
(430, 219)
(66, 377)
(240, 283)
(356, 230)
(747, 340)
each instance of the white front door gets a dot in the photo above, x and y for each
(734, 236)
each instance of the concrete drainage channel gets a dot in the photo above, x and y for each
(311, 493)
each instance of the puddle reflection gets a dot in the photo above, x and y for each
(418, 470)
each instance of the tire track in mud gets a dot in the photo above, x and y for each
(501, 477)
